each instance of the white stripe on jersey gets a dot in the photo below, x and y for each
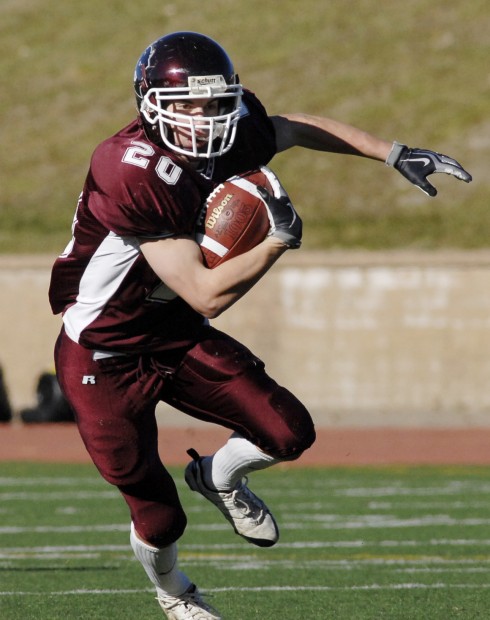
(102, 277)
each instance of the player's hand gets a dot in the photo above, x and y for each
(286, 224)
(416, 164)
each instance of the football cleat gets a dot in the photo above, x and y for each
(248, 514)
(187, 606)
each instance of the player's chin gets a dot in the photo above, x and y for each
(200, 145)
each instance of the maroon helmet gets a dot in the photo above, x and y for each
(188, 66)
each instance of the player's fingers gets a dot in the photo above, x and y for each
(276, 185)
(427, 188)
(264, 194)
(448, 165)
(457, 172)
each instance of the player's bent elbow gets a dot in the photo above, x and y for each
(211, 298)
(209, 314)
(210, 301)
(213, 315)
(212, 311)
(208, 307)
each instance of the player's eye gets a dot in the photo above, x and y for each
(184, 106)
(212, 106)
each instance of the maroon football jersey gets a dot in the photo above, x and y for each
(110, 297)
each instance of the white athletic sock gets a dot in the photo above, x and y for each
(160, 565)
(236, 459)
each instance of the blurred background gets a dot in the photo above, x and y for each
(416, 71)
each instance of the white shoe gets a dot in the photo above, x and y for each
(187, 606)
(248, 514)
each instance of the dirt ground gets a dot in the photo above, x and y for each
(60, 443)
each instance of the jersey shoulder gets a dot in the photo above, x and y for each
(124, 160)
(138, 189)
(255, 141)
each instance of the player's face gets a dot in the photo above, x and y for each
(195, 108)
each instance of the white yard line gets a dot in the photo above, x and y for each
(63, 529)
(47, 481)
(49, 496)
(311, 544)
(314, 522)
(365, 587)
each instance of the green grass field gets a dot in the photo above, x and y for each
(356, 544)
(412, 71)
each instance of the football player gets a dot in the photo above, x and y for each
(136, 298)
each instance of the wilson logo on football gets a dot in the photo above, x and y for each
(216, 212)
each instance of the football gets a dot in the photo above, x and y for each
(234, 218)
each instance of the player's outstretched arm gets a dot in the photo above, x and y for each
(325, 134)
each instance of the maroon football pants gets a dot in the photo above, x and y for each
(217, 380)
